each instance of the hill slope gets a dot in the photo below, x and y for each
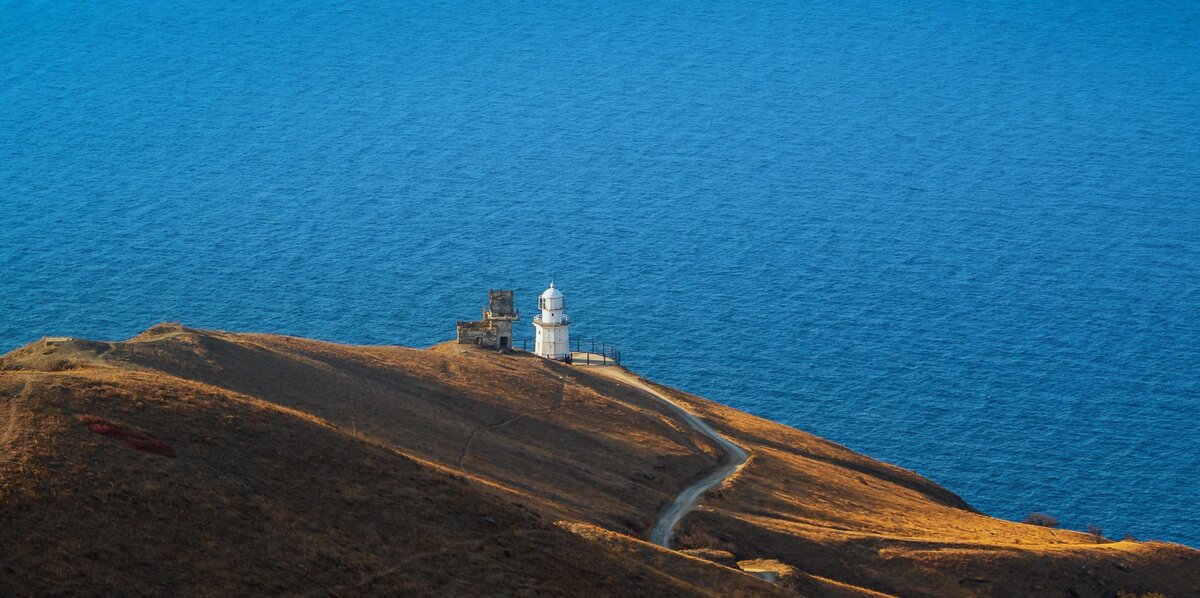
(217, 463)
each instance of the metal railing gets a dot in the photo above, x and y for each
(582, 351)
(594, 351)
(565, 321)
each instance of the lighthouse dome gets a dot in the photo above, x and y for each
(552, 293)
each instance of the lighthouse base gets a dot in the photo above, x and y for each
(552, 342)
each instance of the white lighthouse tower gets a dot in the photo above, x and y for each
(551, 326)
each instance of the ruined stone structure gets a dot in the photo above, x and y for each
(495, 329)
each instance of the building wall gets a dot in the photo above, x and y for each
(503, 333)
(495, 329)
(552, 342)
(477, 333)
(552, 316)
(501, 303)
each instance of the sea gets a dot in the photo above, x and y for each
(961, 237)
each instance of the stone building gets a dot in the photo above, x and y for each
(495, 329)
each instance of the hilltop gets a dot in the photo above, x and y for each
(203, 462)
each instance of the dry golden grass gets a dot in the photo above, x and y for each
(296, 466)
(833, 513)
(308, 467)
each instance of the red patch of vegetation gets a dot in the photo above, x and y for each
(141, 441)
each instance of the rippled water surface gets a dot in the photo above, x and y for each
(960, 237)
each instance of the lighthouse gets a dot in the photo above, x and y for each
(551, 325)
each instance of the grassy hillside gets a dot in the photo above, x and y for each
(185, 461)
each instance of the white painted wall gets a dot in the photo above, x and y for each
(551, 339)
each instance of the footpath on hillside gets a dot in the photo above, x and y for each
(686, 501)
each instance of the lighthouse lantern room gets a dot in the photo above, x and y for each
(551, 325)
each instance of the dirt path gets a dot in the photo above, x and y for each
(466, 450)
(9, 427)
(735, 456)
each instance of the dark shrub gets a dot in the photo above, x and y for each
(1041, 519)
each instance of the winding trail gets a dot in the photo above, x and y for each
(733, 459)
(9, 432)
(466, 450)
(10, 428)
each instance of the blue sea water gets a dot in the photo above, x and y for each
(963, 237)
